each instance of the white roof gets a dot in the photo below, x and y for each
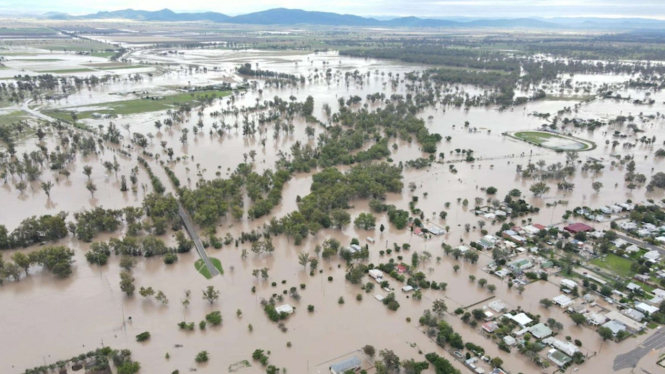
(568, 283)
(522, 319)
(497, 305)
(562, 300)
(646, 308)
(652, 255)
(286, 308)
(376, 273)
(407, 288)
(379, 297)
(509, 340)
(659, 292)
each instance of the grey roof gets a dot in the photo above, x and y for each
(345, 365)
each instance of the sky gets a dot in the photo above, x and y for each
(421, 8)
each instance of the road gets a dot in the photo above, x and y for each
(630, 359)
(35, 113)
(189, 226)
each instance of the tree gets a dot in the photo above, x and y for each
(439, 307)
(596, 186)
(520, 289)
(482, 282)
(369, 350)
(496, 362)
(87, 170)
(91, 187)
(381, 228)
(605, 333)
(46, 186)
(127, 283)
(491, 288)
(455, 268)
(146, 292)
(538, 189)
(12, 270)
(546, 303)
(161, 297)
(210, 294)
(578, 318)
(415, 260)
(303, 259)
(22, 261)
(127, 263)
(365, 221)
(390, 359)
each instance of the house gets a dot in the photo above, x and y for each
(539, 226)
(488, 241)
(350, 364)
(563, 301)
(520, 265)
(578, 227)
(615, 326)
(376, 274)
(628, 323)
(642, 233)
(407, 289)
(642, 277)
(658, 292)
(628, 226)
(646, 308)
(522, 319)
(570, 284)
(632, 287)
(660, 239)
(354, 248)
(435, 230)
(531, 230)
(595, 319)
(558, 358)
(513, 236)
(463, 248)
(589, 298)
(627, 206)
(616, 209)
(502, 273)
(286, 308)
(566, 347)
(509, 340)
(401, 269)
(633, 314)
(605, 210)
(652, 256)
(577, 308)
(490, 326)
(632, 249)
(498, 371)
(370, 239)
(540, 331)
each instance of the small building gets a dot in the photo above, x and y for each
(498, 371)
(632, 249)
(595, 319)
(502, 273)
(566, 347)
(563, 301)
(463, 248)
(646, 308)
(509, 340)
(522, 319)
(407, 288)
(435, 230)
(513, 236)
(531, 230)
(540, 331)
(652, 256)
(519, 266)
(578, 227)
(568, 283)
(370, 239)
(341, 367)
(630, 324)
(354, 248)
(497, 306)
(632, 287)
(286, 308)
(401, 269)
(633, 314)
(577, 308)
(490, 326)
(558, 358)
(615, 326)
(376, 274)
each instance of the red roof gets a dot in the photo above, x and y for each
(578, 227)
(539, 226)
(400, 268)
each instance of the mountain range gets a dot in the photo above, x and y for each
(282, 16)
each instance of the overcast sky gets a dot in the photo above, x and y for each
(423, 8)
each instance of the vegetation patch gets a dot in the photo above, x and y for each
(203, 269)
(616, 264)
(553, 141)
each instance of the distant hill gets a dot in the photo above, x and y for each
(283, 16)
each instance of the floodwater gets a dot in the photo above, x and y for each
(48, 319)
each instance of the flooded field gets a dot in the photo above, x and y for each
(48, 318)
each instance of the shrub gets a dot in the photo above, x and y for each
(143, 336)
(202, 357)
(214, 318)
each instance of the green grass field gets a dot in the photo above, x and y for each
(66, 71)
(15, 116)
(616, 264)
(135, 106)
(543, 138)
(203, 269)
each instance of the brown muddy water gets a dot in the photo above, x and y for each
(47, 319)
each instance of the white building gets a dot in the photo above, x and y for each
(562, 301)
(646, 308)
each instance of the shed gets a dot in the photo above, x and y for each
(407, 288)
(286, 308)
(509, 340)
(562, 301)
(646, 308)
(376, 274)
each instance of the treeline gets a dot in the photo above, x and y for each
(331, 193)
(246, 69)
